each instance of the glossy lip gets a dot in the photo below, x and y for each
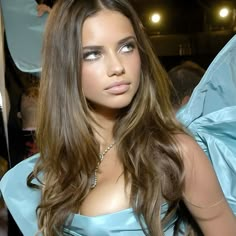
(118, 87)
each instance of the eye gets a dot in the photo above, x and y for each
(91, 55)
(128, 47)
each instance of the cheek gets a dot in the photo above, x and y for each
(91, 79)
(135, 65)
(87, 81)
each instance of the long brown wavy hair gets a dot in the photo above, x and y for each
(145, 130)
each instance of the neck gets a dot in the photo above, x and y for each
(103, 126)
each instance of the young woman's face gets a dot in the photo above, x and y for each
(111, 61)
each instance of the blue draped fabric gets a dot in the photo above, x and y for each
(24, 33)
(210, 115)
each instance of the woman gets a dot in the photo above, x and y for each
(113, 159)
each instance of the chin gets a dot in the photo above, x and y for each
(121, 103)
(113, 104)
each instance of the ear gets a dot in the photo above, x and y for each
(185, 100)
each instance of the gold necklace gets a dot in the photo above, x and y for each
(101, 156)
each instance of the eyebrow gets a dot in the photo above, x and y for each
(120, 42)
(124, 40)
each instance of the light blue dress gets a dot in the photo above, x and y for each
(23, 201)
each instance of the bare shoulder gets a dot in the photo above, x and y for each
(199, 172)
(189, 148)
(194, 158)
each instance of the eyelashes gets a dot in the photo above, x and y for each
(128, 47)
(91, 54)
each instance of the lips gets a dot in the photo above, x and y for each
(118, 87)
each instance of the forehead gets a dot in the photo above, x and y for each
(105, 26)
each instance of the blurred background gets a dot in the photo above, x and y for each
(187, 29)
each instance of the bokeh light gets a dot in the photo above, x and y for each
(224, 12)
(155, 18)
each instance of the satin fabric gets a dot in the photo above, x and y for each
(24, 33)
(22, 202)
(120, 223)
(210, 116)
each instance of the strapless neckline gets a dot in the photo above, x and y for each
(123, 211)
(122, 222)
(164, 207)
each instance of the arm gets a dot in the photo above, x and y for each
(202, 194)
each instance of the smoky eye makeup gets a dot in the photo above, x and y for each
(126, 45)
(129, 46)
(91, 54)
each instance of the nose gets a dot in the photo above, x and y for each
(115, 66)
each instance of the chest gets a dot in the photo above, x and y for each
(110, 194)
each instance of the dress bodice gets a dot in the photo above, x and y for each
(123, 222)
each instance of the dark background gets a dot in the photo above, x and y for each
(189, 29)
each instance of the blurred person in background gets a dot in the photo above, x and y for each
(184, 77)
(27, 114)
